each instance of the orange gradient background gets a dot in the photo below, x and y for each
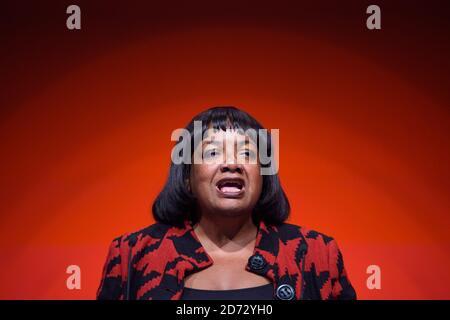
(87, 116)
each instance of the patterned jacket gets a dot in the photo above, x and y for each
(301, 263)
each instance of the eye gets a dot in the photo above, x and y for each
(211, 153)
(248, 153)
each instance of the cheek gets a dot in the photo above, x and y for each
(201, 177)
(256, 179)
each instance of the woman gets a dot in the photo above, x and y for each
(220, 230)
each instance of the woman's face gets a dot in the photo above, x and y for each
(228, 181)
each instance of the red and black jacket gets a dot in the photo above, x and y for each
(153, 262)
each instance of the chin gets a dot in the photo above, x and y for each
(231, 211)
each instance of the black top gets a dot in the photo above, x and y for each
(264, 292)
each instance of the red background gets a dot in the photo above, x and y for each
(86, 118)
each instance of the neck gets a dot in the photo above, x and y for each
(221, 232)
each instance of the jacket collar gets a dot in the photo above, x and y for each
(266, 246)
(269, 259)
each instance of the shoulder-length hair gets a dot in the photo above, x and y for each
(175, 203)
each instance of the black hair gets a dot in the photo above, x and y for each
(175, 203)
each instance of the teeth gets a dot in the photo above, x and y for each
(230, 186)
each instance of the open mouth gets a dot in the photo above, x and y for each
(231, 186)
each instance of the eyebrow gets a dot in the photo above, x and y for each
(217, 143)
(240, 143)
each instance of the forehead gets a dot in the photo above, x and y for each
(237, 135)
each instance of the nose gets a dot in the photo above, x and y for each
(231, 167)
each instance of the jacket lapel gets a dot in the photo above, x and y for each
(190, 257)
